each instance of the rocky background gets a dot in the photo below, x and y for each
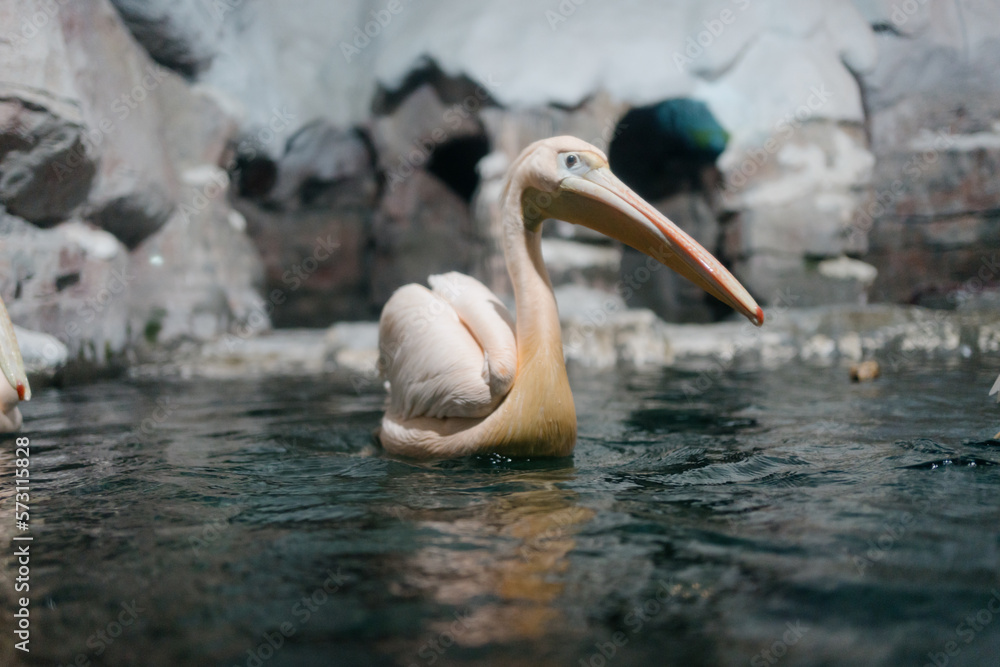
(173, 173)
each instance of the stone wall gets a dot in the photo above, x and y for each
(115, 229)
(781, 77)
(933, 219)
(234, 162)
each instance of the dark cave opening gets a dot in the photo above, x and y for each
(454, 162)
(255, 176)
(664, 148)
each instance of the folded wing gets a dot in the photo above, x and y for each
(449, 351)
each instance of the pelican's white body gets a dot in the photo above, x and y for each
(13, 381)
(10, 415)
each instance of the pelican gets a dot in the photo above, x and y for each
(463, 376)
(14, 388)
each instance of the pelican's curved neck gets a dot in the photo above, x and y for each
(537, 316)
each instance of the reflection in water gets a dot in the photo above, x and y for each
(507, 574)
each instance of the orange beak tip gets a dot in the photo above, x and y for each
(20, 391)
(759, 316)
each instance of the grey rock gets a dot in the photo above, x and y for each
(314, 229)
(799, 206)
(578, 302)
(353, 347)
(200, 124)
(421, 228)
(586, 264)
(315, 232)
(148, 172)
(197, 277)
(405, 139)
(178, 35)
(933, 101)
(605, 339)
(71, 282)
(315, 260)
(897, 336)
(44, 355)
(46, 169)
(784, 279)
(286, 352)
(318, 156)
(133, 213)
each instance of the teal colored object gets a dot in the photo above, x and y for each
(663, 148)
(691, 122)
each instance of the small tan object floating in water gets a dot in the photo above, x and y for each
(866, 371)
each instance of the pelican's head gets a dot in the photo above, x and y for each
(568, 179)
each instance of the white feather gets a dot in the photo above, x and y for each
(11, 362)
(12, 367)
(434, 363)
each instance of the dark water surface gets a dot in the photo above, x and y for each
(781, 517)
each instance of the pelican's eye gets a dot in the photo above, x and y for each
(574, 162)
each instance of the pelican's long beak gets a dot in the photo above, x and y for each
(600, 201)
(10, 357)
